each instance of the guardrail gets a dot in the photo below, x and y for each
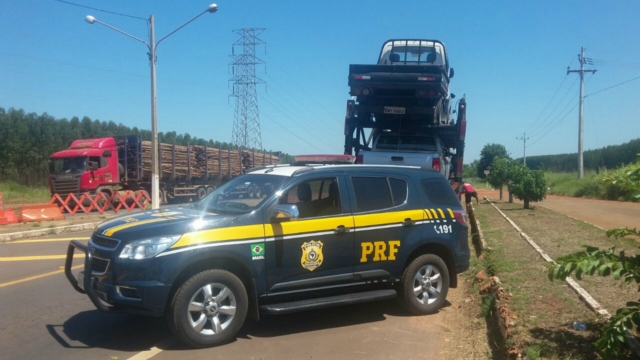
(101, 202)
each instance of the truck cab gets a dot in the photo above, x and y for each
(86, 166)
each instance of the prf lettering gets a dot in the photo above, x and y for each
(381, 250)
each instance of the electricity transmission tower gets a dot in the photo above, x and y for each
(583, 61)
(246, 124)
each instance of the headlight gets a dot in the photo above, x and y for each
(147, 248)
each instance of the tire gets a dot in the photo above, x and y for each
(201, 192)
(210, 189)
(257, 192)
(197, 327)
(422, 297)
(437, 114)
(251, 192)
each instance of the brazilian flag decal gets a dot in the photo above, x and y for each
(257, 251)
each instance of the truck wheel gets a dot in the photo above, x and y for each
(258, 192)
(210, 189)
(208, 309)
(201, 192)
(252, 192)
(425, 284)
(437, 114)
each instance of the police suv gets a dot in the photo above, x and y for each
(321, 236)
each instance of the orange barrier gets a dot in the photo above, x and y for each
(101, 202)
(6, 216)
(41, 212)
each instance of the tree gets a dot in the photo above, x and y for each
(605, 263)
(488, 153)
(470, 170)
(529, 185)
(500, 173)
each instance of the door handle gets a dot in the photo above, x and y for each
(407, 222)
(340, 229)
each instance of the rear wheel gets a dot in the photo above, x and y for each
(425, 284)
(201, 192)
(251, 192)
(257, 192)
(210, 189)
(208, 309)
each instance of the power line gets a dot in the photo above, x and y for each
(611, 87)
(291, 132)
(304, 90)
(552, 97)
(101, 10)
(554, 126)
(533, 132)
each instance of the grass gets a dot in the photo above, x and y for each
(16, 194)
(568, 184)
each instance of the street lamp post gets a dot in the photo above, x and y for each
(152, 45)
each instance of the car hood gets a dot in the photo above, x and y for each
(157, 223)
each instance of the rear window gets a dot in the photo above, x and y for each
(406, 143)
(440, 192)
(372, 193)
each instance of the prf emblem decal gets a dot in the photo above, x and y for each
(311, 255)
(131, 220)
(257, 251)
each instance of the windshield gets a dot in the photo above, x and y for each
(74, 165)
(242, 194)
(406, 143)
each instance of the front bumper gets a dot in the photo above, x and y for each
(108, 295)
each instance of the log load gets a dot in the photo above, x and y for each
(216, 162)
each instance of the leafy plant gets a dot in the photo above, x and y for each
(528, 185)
(594, 261)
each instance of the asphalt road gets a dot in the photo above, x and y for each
(44, 318)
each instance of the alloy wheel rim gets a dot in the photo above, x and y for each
(211, 309)
(427, 284)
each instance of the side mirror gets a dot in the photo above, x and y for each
(284, 213)
(453, 96)
(94, 165)
(451, 73)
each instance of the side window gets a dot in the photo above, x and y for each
(398, 191)
(440, 192)
(320, 197)
(372, 193)
(104, 161)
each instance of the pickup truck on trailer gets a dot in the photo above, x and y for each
(409, 82)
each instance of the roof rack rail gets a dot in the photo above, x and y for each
(305, 169)
(258, 168)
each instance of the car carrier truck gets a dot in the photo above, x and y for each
(122, 163)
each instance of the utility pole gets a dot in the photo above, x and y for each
(580, 114)
(524, 139)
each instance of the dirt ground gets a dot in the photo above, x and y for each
(603, 213)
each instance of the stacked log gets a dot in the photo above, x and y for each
(196, 163)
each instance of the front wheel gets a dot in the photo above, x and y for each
(425, 284)
(208, 309)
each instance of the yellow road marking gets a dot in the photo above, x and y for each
(44, 240)
(43, 257)
(37, 277)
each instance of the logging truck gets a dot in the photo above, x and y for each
(123, 163)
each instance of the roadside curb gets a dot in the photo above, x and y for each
(501, 314)
(43, 232)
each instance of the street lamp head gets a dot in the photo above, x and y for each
(212, 8)
(90, 19)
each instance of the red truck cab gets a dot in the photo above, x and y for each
(88, 165)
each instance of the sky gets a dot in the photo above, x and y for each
(510, 60)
